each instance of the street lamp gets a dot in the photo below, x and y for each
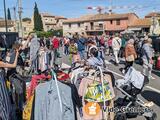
(4, 2)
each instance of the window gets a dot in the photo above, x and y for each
(101, 26)
(69, 25)
(57, 21)
(111, 22)
(86, 28)
(24, 28)
(79, 24)
(118, 22)
(47, 27)
(92, 25)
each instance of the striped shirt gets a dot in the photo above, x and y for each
(5, 105)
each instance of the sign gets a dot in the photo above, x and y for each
(92, 108)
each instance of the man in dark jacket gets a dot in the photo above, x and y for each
(81, 47)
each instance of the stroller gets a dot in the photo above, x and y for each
(131, 106)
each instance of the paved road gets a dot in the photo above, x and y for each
(151, 92)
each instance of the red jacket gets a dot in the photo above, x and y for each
(55, 43)
(110, 42)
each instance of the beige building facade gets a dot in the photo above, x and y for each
(28, 27)
(10, 25)
(51, 22)
(98, 23)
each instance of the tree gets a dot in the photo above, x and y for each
(8, 14)
(38, 25)
(26, 19)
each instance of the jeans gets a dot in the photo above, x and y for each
(55, 54)
(110, 50)
(121, 52)
(34, 65)
(82, 54)
(52, 59)
(66, 51)
(147, 69)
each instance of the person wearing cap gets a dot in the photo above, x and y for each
(147, 55)
(116, 45)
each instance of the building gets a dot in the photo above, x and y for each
(153, 14)
(75, 25)
(98, 23)
(155, 22)
(119, 22)
(28, 27)
(10, 25)
(51, 22)
(140, 25)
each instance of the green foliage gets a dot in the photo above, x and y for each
(8, 14)
(26, 19)
(38, 25)
(51, 33)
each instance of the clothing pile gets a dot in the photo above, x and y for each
(93, 87)
(51, 97)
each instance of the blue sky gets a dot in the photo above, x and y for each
(75, 8)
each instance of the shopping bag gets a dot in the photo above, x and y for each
(94, 92)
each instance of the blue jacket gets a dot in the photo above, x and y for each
(47, 104)
(81, 44)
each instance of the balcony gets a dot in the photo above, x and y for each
(94, 28)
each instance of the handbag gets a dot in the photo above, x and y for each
(98, 91)
(95, 94)
(130, 58)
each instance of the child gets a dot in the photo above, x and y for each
(73, 50)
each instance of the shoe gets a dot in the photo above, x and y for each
(123, 71)
(116, 64)
(149, 104)
(152, 78)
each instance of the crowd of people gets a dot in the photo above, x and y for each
(131, 48)
(39, 54)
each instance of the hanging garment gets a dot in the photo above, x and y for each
(77, 103)
(18, 90)
(5, 104)
(93, 89)
(83, 90)
(47, 102)
(94, 92)
(43, 60)
(34, 82)
(28, 109)
(62, 76)
(34, 47)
